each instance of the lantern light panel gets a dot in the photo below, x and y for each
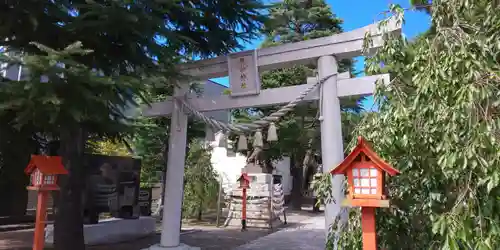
(49, 180)
(36, 178)
(365, 180)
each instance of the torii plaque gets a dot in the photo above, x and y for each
(243, 73)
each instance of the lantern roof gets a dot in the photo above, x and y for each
(364, 147)
(244, 176)
(46, 164)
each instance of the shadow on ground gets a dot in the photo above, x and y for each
(299, 239)
(209, 239)
(206, 237)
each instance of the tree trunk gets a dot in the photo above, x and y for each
(200, 210)
(13, 182)
(14, 157)
(68, 232)
(53, 149)
(297, 183)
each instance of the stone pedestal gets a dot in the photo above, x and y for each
(111, 231)
(260, 212)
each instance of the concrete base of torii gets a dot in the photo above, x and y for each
(179, 247)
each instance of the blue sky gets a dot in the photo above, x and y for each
(359, 13)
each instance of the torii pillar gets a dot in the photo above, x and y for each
(174, 182)
(332, 149)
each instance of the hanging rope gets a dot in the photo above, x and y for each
(249, 127)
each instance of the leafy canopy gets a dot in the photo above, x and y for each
(438, 123)
(128, 33)
(201, 184)
(68, 92)
(57, 91)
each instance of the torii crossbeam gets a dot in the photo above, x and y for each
(324, 52)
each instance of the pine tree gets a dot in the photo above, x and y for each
(67, 102)
(297, 20)
(69, 93)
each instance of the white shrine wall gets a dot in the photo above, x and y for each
(225, 161)
(228, 165)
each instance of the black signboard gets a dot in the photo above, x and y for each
(112, 186)
(145, 201)
(277, 179)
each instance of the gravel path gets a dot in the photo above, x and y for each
(310, 235)
(208, 238)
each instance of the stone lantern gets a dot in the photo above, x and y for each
(244, 181)
(366, 175)
(43, 171)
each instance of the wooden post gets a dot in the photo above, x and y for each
(270, 207)
(219, 212)
(41, 219)
(244, 210)
(43, 171)
(368, 227)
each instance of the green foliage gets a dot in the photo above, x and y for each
(15, 149)
(438, 124)
(323, 187)
(296, 20)
(422, 5)
(56, 87)
(108, 147)
(59, 97)
(201, 184)
(149, 142)
(122, 31)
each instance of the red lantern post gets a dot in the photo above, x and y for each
(244, 184)
(43, 171)
(365, 172)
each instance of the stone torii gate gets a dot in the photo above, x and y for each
(245, 92)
